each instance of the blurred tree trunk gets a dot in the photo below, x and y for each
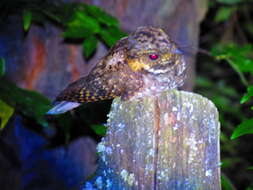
(44, 57)
(179, 18)
(41, 60)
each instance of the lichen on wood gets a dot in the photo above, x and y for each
(167, 142)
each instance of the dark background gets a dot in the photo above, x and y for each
(34, 155)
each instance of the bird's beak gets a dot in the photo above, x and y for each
(176, 51)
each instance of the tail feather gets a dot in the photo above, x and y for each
(62, 107)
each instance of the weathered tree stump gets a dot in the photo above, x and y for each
(169, 142)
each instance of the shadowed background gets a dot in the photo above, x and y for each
(41, 60)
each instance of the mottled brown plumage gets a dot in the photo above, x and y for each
(146, 62)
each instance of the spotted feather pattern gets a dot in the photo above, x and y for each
(128, 72)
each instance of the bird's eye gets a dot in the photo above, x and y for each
(153, 56)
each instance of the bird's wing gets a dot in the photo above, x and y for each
(83, 90)
(101, 84)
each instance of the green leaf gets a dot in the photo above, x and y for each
(111, 35)
(81, 26)
(29, 103)
(224, 13)
(250, 168)
(2, 66)
(249, 27)
(248, 95)
(250, 188)
(230, 1)
(238, 58)
(211, 4)
(203, 82)
(62, 12)
(246, 127)
(6, 112)
(38, 18)
(233, 51)
(99, 129)
(230, 161)
(226, 183)
(101, 15)
(77, 32)
(89, 46)
(27, 19)
(81, 19)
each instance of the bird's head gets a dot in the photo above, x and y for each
(150, 50)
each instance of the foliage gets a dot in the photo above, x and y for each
(2, 67)
(230, 1)
(225, 80)
(246, 127)
(87, 24)
(31, 104)
(238, 58)
(250, 168)
(226, 183)
(248, 95)
(99, 129)
(229, 25)
(223, 96)
(5, 113)
(89, 46)
(79, 21)
(224, 13)
(27, 19)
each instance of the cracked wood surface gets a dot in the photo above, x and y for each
(169, 142)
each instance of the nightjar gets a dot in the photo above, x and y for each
(147, 62)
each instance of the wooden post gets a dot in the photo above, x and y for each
(170, 142)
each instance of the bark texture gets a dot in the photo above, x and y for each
(170, 142)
